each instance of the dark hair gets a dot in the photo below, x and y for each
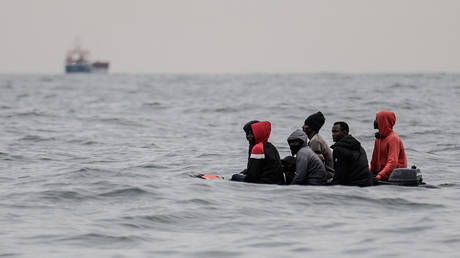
(343, 126)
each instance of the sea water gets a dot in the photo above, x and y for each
(99, 166)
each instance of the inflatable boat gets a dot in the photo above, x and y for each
(400, 176)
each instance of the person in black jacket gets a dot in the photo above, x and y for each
(264, 165)
(250, 137)
(350, 160)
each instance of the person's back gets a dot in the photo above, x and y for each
(310, 169)
(319, 146)
(264, 165)
(350, 159)
(389, 150)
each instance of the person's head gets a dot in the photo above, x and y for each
(384, 121)
(313, 123)
(339, 130)
(296, 140)
(248, 130)
(376, 127)
(259, 132)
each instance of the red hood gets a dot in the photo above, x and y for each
(261, 131)
(385, 121)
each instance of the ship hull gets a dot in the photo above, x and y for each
(78, 68)
(87, 68)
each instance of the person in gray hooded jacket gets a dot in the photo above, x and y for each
(310, 169)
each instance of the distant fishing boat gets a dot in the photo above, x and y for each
(78, 61)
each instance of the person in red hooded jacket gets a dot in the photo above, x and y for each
(264, 164)
(388, 148)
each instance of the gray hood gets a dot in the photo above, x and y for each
(298, 134)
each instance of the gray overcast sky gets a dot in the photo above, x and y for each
(219, 36)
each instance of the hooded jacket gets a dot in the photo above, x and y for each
(264, 165)
(350, 163)
(310, 169)
(388, 149)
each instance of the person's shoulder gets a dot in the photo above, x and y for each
(362, 149)
(315, 141)
(315, 138)
(270, 146)
(322, 140)
(341, 151)
(394, 137)
(338, 148)
(305, 151)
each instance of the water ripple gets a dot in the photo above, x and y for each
(101, 240)
(36, 138)
(402, 203)
(125, 192)
(57, 195)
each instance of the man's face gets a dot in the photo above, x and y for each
(376, 127)
(307, 130)
(295, 145)
(337, 133)
(250, 138)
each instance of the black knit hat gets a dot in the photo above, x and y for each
(315, 121)
(247, 127)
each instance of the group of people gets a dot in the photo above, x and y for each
(314, 162)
